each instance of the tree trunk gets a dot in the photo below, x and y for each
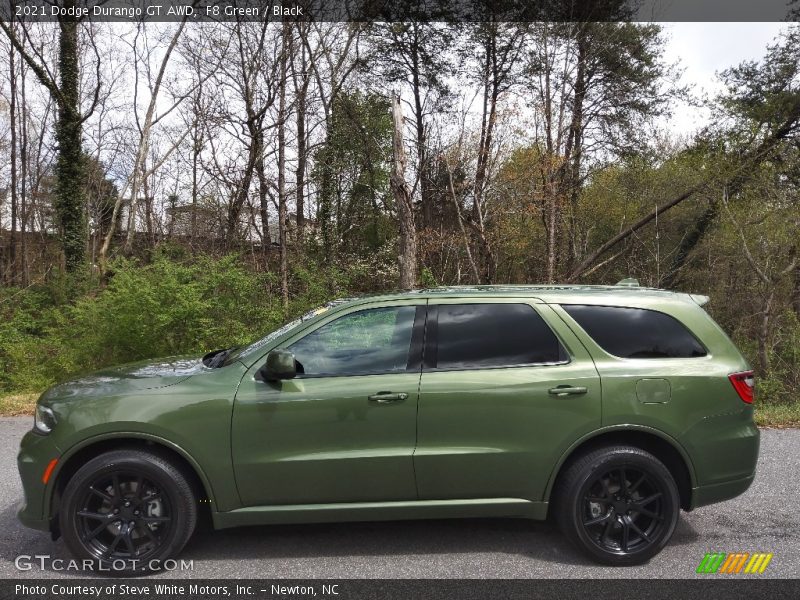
(689, 243)
(263, 205)
(472, 265)
(553, 206)
(491, 93)
(574, 152)
(422, 156)
(796, 291)
(23, 156)
(301, 93)
(197, 148)
(240, 197)
(282, 217)
(402, 196)
(764, 332)
(324, 207)
(12, 111)
(70, 176)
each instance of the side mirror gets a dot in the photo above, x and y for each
(280, 365)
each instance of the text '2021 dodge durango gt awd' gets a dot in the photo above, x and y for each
(609, 407)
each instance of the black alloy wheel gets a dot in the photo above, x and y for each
(618, 504)
(123, 515)
(624, 510)
(128, 511)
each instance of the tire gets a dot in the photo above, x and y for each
(617, 524)
(127, 511)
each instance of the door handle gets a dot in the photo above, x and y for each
(387, 397)
(566, 390)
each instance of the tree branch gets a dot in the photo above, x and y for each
(788, 125)
(39, 70)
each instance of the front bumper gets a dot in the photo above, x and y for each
(35, 452)
(25, 517)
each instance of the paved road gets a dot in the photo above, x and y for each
(766, 518)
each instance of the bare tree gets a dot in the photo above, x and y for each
(144, 127)
(418, 55)
(65, 91)
(770, 278)
(253, 77)
(332, 62)
(139, 171)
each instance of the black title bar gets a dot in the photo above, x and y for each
(401, 10)
(708, 588)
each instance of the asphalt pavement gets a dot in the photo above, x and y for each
(765, 519)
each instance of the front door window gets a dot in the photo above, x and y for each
(366, 342)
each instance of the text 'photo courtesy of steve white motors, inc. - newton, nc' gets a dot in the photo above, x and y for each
(104, 590)
(37, 9)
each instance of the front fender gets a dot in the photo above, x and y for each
(121, 436)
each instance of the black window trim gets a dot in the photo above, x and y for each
(618, 357)
(415, 350)
(430, 357)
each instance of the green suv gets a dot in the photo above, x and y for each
(608, 407)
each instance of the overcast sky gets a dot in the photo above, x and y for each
(703, 49)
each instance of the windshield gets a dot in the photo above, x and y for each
(283, 329)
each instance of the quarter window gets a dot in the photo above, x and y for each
(369, 341)
(472, 336)
(636, 332)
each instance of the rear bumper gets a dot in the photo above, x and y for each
(718, 492)
(724, 449)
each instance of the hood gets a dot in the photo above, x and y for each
(130, 378)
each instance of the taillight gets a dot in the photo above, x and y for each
(743, 383)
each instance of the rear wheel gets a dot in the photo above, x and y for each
(618, 504)
(127, 511)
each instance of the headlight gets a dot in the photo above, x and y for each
(44, 419)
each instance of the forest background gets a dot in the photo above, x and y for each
(171, 188)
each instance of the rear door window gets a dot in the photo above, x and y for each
(474, 336)
(636, 332)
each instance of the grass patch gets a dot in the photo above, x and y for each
(778, 415)
(17, 405)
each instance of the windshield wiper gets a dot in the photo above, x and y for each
(216, 358)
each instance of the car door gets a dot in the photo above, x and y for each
(344, 429)
(506, 388)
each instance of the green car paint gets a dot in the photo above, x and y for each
(464, 442)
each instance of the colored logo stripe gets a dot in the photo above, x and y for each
(721, 562)
(758, 564)
(711, 562)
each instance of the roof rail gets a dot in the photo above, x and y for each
(629, 282)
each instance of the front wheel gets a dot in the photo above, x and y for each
(618, 504)
(127, 511)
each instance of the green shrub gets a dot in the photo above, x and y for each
(167, 308)
(171, 306)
